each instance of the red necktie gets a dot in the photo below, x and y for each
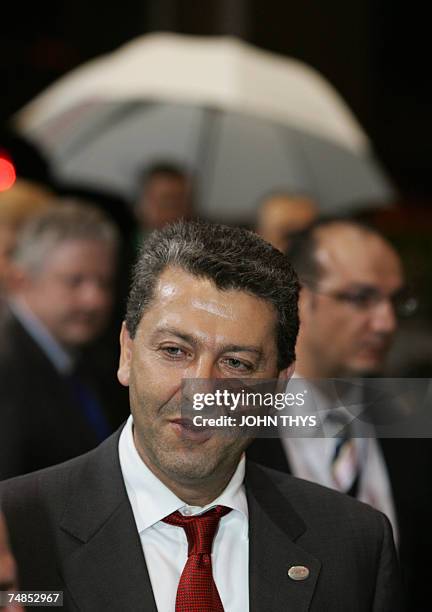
(197, 591)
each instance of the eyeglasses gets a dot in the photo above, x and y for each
(404, 303)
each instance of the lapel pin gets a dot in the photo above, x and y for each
(298, 572)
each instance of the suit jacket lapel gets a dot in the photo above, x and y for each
(269, 452)
(104, 566)
(274, 526)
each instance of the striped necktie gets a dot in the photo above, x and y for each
(345, 462)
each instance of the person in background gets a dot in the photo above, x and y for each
(281, 214)
(17, 205)
(353, 293)
(165, 195)
(162, 516)
(50, 408)
(8, 569)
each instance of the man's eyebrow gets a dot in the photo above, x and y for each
(241, 348)
(176, 332)
(226, 348)
(374, 287)
(361, 285)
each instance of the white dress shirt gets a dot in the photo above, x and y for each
(311, 458)
(165, 546)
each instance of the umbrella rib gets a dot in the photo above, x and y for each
(306, 164)
(206, 149)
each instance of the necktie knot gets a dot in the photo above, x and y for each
(200, 529)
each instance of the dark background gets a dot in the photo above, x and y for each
(375, 52)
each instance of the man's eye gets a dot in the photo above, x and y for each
(236, 364)
(72, 281)
(173, 351)
(361, 300)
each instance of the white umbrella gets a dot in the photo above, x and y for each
(247, 121)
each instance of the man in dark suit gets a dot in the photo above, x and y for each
(50, 409)
(167, 516)
(352, 294)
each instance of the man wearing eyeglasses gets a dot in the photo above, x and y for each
(353, 291)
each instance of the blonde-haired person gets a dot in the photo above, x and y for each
(17, 206)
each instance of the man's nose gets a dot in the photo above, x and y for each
(203, 368)
(384, 318)
(94, 295)
(199, 377)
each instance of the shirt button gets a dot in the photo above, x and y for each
(187, 511)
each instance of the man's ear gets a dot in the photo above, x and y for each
(123, 372)
(287, 372)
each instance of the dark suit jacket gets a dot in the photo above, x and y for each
(409, 466)
(72, 529)
(41, 422)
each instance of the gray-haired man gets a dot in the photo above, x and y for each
(65, 261)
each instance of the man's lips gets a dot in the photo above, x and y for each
(186, 429)
(375, 348)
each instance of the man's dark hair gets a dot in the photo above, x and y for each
(232, 258)
(168, 168)
(304, 245)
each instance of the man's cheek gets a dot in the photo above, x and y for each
(166, 382)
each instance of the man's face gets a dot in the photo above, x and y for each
(165, 199)
(72, 292)
(343, 333)
(282, 216)
(192, 330)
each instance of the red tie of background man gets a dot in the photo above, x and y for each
(197, 591)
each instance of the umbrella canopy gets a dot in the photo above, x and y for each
(246, 121)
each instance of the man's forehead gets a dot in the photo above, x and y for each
(195, 305)
(79, 256)
(81, 243)
(164, 179)
(280, 206)
(355, 255)
(177, 285)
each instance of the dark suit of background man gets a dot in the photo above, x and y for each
(353, 292)
(109, 528)
(50, 409)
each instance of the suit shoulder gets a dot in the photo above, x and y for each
(52, 485)
(49, 484)
(319, 501)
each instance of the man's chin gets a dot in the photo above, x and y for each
(189, 460)
(79, 336)
(366, 369)
(186, 467)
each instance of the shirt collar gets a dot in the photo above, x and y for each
(152, 501)
(334, 410)
(59, 357)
